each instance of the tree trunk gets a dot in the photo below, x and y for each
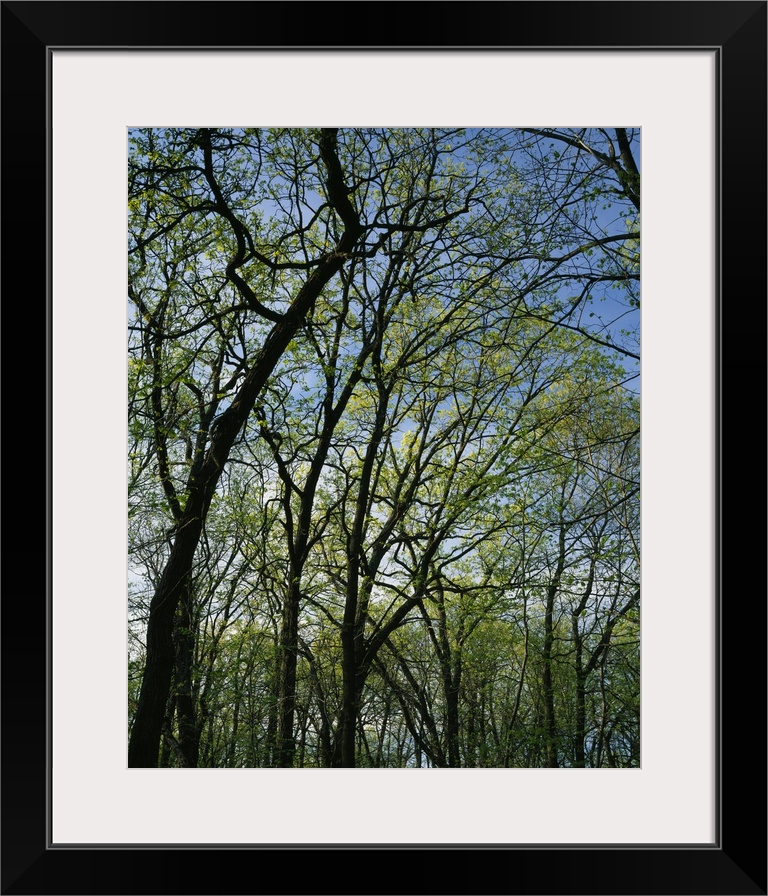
(289, 647)
(158, 670)
(186, 714)
(550, 722)
(581, 698)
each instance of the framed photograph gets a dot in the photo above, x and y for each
(674, 805)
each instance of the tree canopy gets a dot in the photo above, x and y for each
(384, 447)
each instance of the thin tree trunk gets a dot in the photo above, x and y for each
(550, 721)
(581, 697)
(581, 674)
(289, 647)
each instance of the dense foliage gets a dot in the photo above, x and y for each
(384, 448)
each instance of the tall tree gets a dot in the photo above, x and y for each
(221, 433)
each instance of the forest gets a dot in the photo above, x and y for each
(383, 448)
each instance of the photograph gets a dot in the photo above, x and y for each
(369, 414)
(384, 433)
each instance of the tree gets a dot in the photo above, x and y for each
(193, 156)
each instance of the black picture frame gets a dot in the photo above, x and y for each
(736, 863)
